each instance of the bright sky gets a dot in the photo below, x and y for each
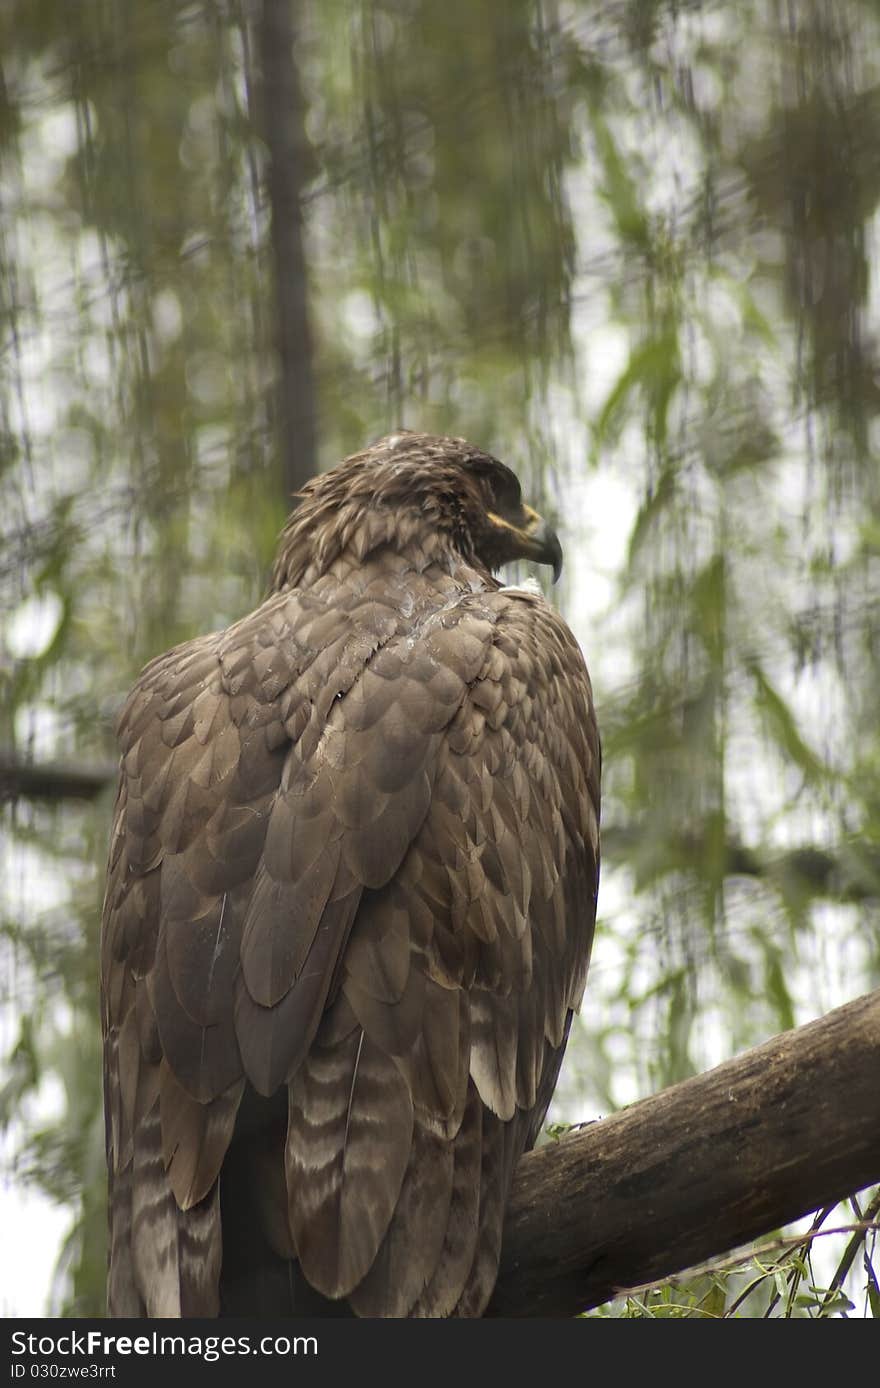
(33, 1232)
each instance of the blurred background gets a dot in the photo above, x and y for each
(631, 248)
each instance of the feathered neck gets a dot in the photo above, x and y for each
(356, 510)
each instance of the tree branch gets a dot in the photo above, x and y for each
(53, 780)
(848, 872)
(700, 1168)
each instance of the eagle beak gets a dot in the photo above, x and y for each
(535, 540)
(541, 542)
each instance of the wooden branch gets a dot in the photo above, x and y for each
(700, 1168)
(53, 780)
(848, 872)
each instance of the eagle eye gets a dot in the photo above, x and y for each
(500, 486)
(507, 491)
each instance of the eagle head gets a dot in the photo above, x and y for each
(438, 500)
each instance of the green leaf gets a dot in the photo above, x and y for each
(782, 726)
(654, 368)
(619, 189)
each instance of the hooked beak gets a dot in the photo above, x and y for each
(534, 540)
(542, 542)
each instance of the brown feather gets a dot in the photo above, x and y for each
(194, 1137)
(441, 1294)
(402, 1269)
(274, 1040)
(348, 1144)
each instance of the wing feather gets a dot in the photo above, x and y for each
(443, 1291)
(348, 1145)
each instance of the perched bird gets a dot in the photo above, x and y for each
(350, 901)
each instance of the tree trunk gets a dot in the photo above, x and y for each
(283, 131)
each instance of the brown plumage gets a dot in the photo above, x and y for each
(350, 901)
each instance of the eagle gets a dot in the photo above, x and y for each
(350, 902)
